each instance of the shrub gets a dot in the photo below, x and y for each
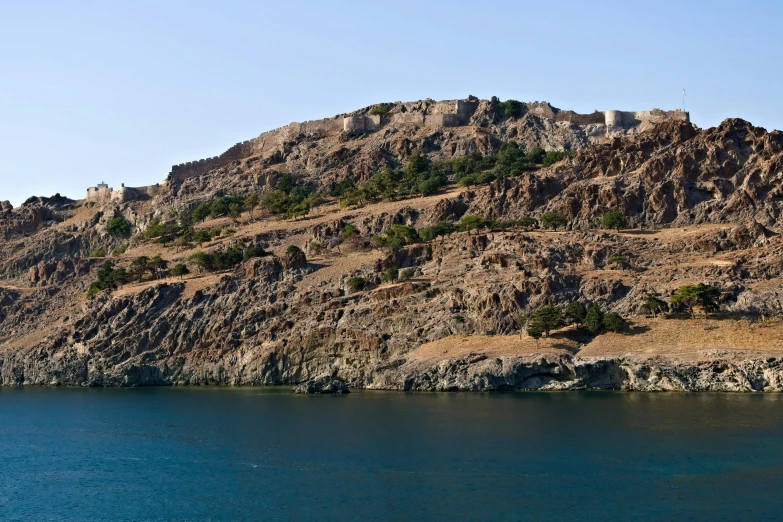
(342, 188)
(458, 318)
(380, 110)
(119, 227)
(397, 236)
(553, 157)
(617, 258)
(614, 322)
(553, 220)
(439, 229)
(253, 251)
(356, 284)
(119, 250)
(292, 250)
(389, 275)
(349, 231)
(472, 222)
(406, 273)
(614, 219)
(98, 252)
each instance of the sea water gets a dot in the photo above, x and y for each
(264, 454)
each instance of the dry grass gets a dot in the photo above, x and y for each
(690, 339)
(333, 267)
(457, 346)
(696, 339)
(193, 284)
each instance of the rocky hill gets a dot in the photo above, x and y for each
(444, 310)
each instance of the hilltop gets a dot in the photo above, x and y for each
(404, 246)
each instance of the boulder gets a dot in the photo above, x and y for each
(322, 385)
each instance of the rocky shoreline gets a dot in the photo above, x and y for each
(476, 373)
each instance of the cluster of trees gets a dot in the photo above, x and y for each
(548, 318)
(511, 160)
(111, 277)
(227, 258)
(119, 227)
(291, 198)
(419, 177)
(231, 206)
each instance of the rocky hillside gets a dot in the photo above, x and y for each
(701, 206)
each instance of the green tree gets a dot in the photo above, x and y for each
(203, 261)
(652, 304)
(119, 227)
(380, 110)
(614, 322)
(407, 273)
(512, 108)
(251, 203)
(202, 236)
(547, 318)
(706, 296)
(157, 264)
(614, 219)
(138, 267)
(594, 319)
(98, 252)
(553, 220)
(576, 311)
(292, 250)
(179, 270)
(535, 331)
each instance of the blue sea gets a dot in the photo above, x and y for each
(264, 454)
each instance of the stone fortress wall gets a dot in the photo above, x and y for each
(425, 113)
(103, 193)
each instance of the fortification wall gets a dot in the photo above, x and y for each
(99, 195)
(450, 113)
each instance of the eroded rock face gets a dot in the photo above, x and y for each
(286, 319)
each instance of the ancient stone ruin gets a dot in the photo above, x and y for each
(103, 193)
(425, 113)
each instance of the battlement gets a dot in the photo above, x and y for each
(424, 113)
(103, 193)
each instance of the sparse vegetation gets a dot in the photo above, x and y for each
(98, 252)
(380, 110)
(119, 250)
(292, 250)
(406, 273)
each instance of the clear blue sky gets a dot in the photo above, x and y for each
(120, 91)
